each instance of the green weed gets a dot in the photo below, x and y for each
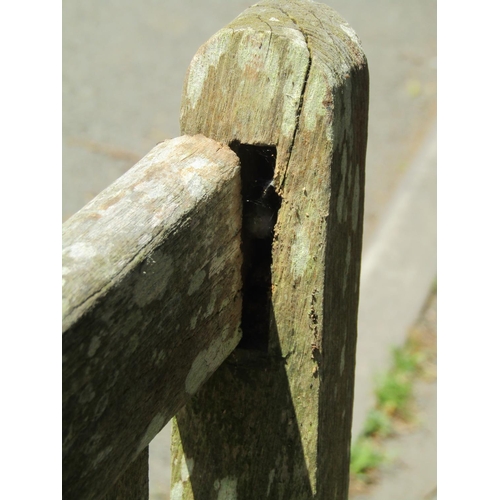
(365, 457)
(393, 392)
(377, 424)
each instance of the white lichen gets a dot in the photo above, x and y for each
(208, 360)
(95, 342)
(196, 281)
(270, 481)
(177, 491)
(351, 34)
(81, 250)
(228, 489)
(208, 57)
(158, 276)
(299, 252)
(101, 456)
(342, 360)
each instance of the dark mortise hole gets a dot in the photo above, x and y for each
(260, 210)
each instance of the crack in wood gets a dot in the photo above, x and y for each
(301, 99)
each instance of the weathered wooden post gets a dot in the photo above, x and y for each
(151, 307)
(286, 86)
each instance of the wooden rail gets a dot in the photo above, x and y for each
(190, 255)
(151, 304)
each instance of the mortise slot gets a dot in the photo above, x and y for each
(260, 210)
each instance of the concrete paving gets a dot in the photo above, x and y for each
(396, 272)
(123, 68)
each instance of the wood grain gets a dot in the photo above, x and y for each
(133, 484)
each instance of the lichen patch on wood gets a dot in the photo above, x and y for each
(208, 360)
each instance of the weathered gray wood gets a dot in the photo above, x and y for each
(133, 484)
(290, 75)
(151, 304)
